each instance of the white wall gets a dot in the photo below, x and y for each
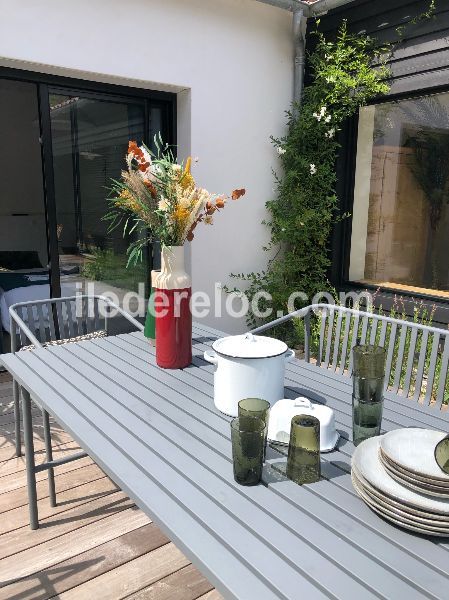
(231, 63)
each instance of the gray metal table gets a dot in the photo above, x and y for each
(157, 434)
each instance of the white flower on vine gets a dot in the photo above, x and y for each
(312, 168)
(320, 115)
(327, 119)
(281, 150)
(327, 56)
(330, 134)
(330, 79)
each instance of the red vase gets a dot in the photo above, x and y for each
(172, 310)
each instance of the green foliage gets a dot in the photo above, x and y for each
(108, 267)
(302, 214)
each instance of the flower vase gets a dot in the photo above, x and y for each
(150, 321)
(173, 317)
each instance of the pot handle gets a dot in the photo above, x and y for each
(211, 358)
(289, 355)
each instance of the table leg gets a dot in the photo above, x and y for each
(18, 434)
(49, 458)
(29, 457)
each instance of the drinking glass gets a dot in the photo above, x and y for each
(247, 436)
(256, 407)
(442, 454)
(303, 462)
(367, 391)
(367, 408)
(368, 361)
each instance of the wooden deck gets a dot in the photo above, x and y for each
(96, 544)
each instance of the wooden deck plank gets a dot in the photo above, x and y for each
(94, 530)
(17, 464)
(97, 527)
(7, 447)
(76, 496)
(14, 542)
(63, 576)
(131, 577)
(185, 584)
(17, 483)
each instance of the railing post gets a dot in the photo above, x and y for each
(307, 336)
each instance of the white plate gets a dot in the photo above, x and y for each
(413, 450)
(401, 510)
(413, 512)
(419, 478)
(413, 484)
(396, 519)
(367, 462)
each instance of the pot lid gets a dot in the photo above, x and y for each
(249, 346)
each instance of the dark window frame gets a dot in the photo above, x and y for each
(46, 84)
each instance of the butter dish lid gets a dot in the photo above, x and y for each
(282, 412)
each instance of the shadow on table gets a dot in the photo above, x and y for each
(203, 340)
(295, 392)
(275, 471)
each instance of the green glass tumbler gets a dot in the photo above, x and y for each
(442, 454)
(367, 391)
(369, 361)
(247, 436)
(303, 462)
(256, 407)
(367, 409)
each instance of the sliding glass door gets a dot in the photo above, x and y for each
(89, 140)
(24, 258)
(62, 142)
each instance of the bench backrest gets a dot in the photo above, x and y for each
(417, 355)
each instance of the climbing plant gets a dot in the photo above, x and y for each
(305, 208)
(346, 73)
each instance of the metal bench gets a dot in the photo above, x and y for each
(417, 355)
(56, 321)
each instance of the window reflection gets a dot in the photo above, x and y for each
(401, 198)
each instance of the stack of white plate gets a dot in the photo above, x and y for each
(397, 476)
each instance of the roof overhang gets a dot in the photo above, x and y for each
(314, 9)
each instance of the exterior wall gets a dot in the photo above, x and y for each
(231, 64)
(421, 59)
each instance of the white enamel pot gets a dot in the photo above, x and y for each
(247, 366)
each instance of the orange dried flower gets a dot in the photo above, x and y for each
(236, 194)
(151, 188)
(220, 203)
